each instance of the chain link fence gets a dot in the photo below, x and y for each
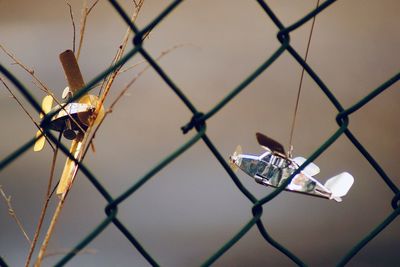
(198, 123)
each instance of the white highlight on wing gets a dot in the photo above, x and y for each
(65, 92)
(311, 169)
(266, 148)
(339, 185)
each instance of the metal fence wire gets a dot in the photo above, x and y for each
(198, 123)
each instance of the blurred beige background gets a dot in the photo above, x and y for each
(191, 208)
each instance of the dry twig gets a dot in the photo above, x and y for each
(42, 86)
(12, 213)
(63, 252)
(132, 66)
(92, 6)
(123, 92)
(44, 207)
(73, 25)
(85, 13)
(25, 110)
(88, 140)
(118, 56)
(50, 230)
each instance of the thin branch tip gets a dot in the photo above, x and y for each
(13, 214)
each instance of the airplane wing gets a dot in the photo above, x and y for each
(70, 167)
(311, 169)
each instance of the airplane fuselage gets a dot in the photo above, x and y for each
(273, 170)
(63, 122)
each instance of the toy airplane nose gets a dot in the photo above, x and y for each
(234, 162)
(235, 159)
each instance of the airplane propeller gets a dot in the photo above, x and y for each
(234, 156)
(270, 144)
(47, 104)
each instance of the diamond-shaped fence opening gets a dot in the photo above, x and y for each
(197, 126)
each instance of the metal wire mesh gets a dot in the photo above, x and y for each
(198, 123)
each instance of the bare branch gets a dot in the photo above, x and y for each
(25, 110)
(118, 56)
(84, 15)
(50, 230)
(132, 66)
(63, 252)
(13, 214)
(123, 92)
(108, 76)
(43, 87)
(73, 25)
(92, 6)
(44, 207)
(21, 105)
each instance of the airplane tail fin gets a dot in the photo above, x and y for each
(339, 185)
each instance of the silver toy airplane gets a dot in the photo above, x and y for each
(273, 167)
(74, 118)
